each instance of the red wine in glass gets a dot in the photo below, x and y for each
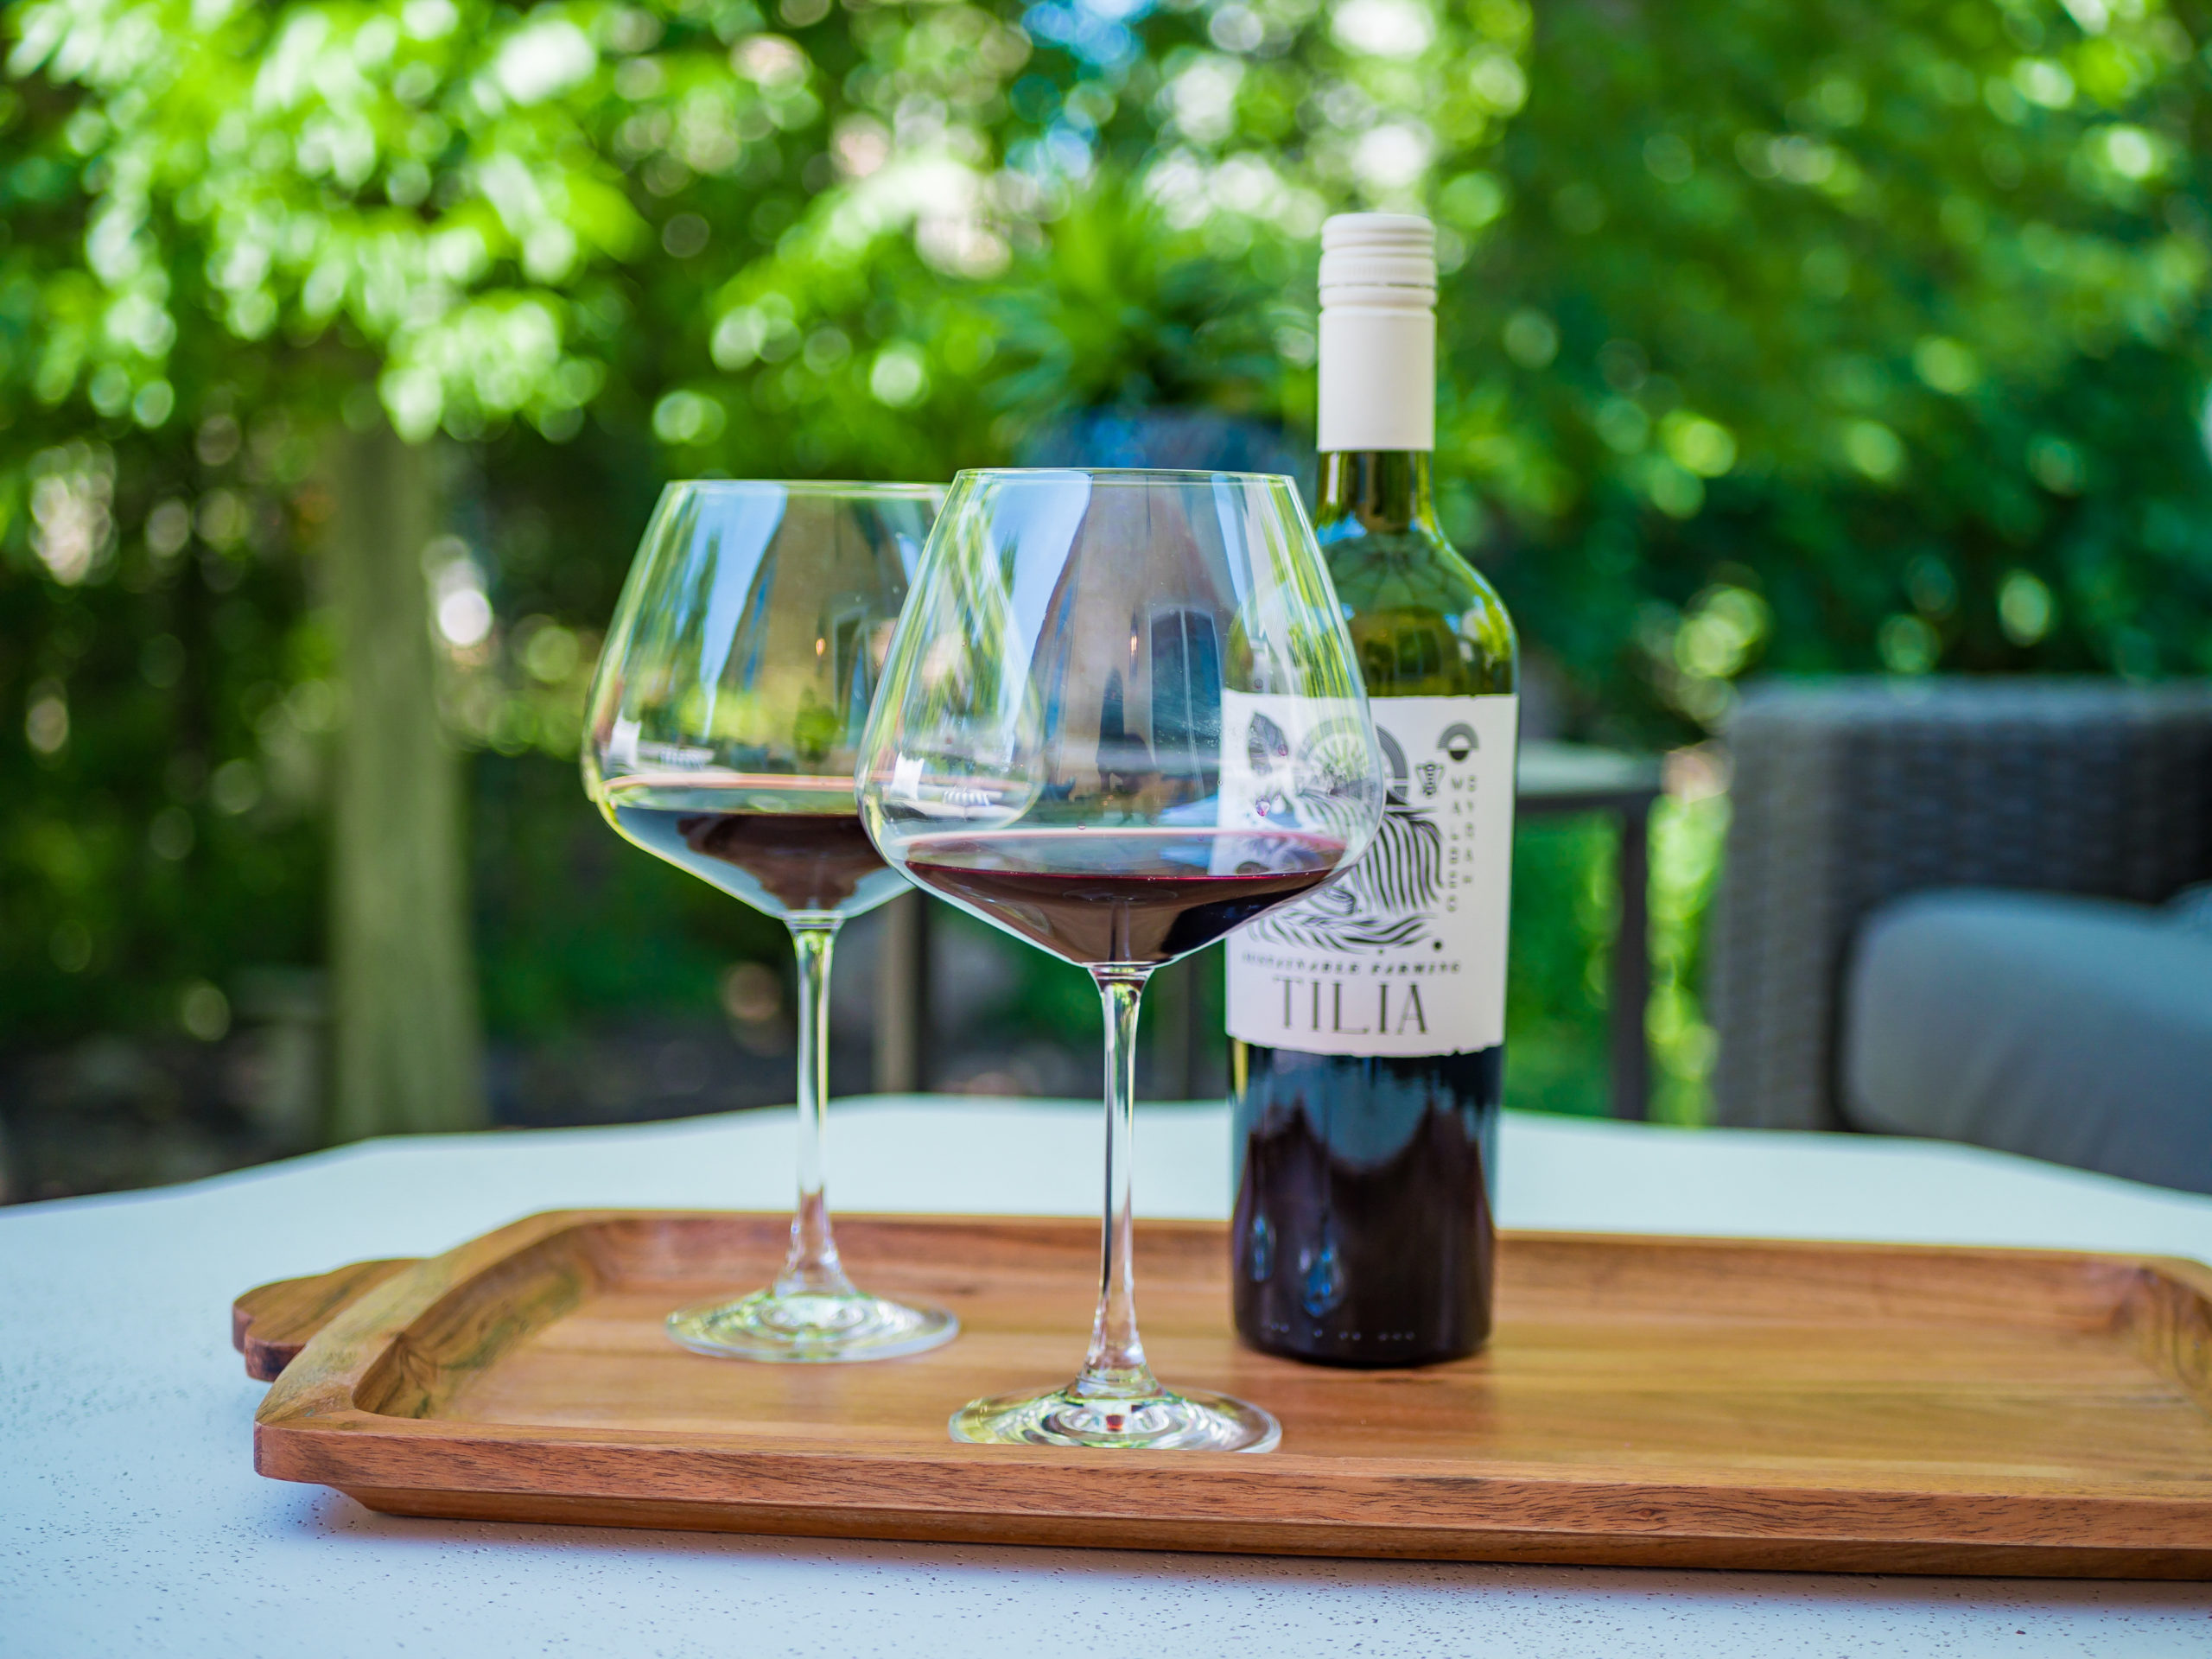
(1122, 895)
(795, 863)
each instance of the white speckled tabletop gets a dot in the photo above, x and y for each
(131, 1522)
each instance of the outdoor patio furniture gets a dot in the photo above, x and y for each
(1849, 795)
(1558, 780)
(2070, 1028)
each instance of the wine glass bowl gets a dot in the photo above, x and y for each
(722, 732)
(1122, 716)
(1110, 896)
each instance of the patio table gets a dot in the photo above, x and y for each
(131, 1521)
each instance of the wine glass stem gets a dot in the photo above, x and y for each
(812, 1268)
(1114, 1367)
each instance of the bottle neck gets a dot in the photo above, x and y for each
(1384, 491)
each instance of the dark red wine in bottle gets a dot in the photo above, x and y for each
(1367, 1023)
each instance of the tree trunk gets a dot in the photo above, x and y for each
(405, 1044)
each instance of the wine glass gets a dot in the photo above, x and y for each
(1122, 716)
(721, 736)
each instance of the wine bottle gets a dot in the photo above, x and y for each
(1367, 1022)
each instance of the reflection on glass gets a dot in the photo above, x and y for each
(1122, 716)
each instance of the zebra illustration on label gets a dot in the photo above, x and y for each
(1314, 782)
(1405, 954)
(1387, 900)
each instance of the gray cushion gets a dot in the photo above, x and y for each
(2077, 1030)
(2192, 907)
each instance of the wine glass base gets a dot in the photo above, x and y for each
(1192, 1420)
(811, 1328)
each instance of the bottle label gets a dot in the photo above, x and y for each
(1405, 955)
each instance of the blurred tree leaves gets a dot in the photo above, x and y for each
(1838, 334)
(1734, 249)
(1836, 303)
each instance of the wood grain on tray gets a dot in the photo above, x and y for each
(1683, 1401)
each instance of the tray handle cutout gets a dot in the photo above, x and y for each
(272, 1323)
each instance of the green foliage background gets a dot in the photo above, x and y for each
(1795, 334)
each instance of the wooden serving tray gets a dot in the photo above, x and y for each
(1685, 1403)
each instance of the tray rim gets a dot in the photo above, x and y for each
(311, 1429)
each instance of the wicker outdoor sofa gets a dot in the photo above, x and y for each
(1966, 908)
